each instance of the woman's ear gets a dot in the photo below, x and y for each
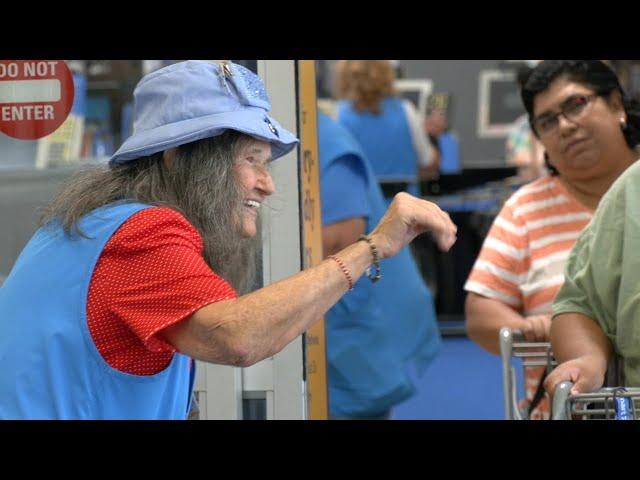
(615, 101)
(168, 156)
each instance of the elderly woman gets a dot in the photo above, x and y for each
(589, 129)
(387, 127)
(141, 267)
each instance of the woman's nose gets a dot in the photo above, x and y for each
(265, 184)
(565, 123)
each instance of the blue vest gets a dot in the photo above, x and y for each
(369, 352)
(449, 153)
(50, 367)
(385, 139)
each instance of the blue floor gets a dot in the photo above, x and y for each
(463, 383)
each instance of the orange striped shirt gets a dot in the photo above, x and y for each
(522, 260)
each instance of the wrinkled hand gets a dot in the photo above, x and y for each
(586, 373)
(537, 328)
(406, 218)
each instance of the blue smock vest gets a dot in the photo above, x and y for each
(370, 351)
(385, 139)
(50, 367)
(449, 153)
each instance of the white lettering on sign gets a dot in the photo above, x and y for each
(39, 69)
(8, 70)
(29, 91)
(12, 113)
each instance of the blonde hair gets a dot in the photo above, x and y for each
(365, 83)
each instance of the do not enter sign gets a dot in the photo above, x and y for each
(35, 97)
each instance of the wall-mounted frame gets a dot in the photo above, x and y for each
(499, 103)
(416, 91)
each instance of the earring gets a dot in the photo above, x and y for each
(623, 123)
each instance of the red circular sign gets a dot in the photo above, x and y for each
(35, 97)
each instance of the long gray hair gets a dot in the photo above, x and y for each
(200, 184)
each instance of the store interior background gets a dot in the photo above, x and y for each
(464, 382)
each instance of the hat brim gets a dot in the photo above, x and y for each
(250, 121)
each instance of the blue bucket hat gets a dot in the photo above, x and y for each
(192, 100)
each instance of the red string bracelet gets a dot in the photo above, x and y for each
(344, 270)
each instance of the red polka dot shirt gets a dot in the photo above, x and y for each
(150, 275)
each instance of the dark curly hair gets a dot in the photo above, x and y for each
(594, 74)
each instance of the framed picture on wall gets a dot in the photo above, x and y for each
(499, 103)
(417, 91)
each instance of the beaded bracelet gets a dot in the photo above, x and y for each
(374, 277)
(344, 270)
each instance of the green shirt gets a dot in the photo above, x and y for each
(602, 277)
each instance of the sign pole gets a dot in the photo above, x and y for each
(315, 340)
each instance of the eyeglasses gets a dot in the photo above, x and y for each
(572, 109)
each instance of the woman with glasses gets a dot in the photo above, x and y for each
(589, 129)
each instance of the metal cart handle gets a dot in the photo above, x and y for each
(508, 380)
(560, 410)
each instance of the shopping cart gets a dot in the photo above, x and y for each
(533, 354)
(603, 404)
